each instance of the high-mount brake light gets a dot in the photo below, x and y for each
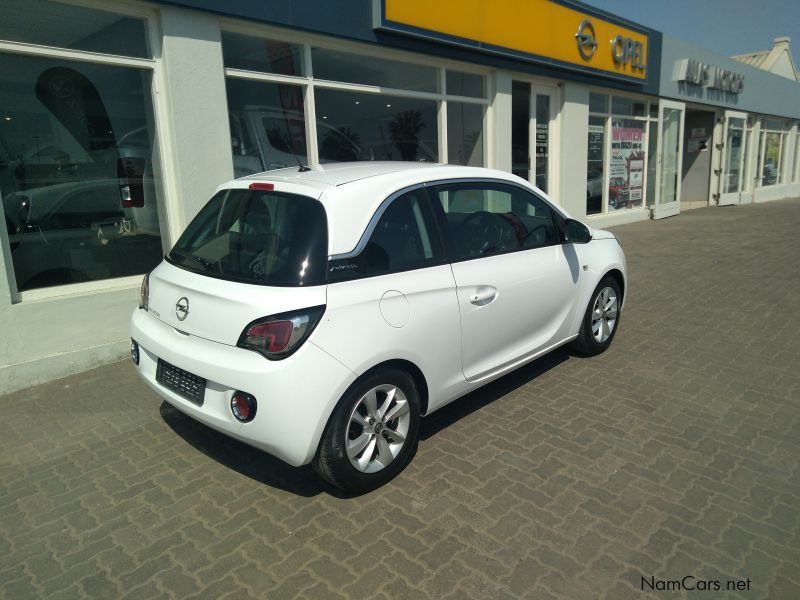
(262, 187)
(279, 336)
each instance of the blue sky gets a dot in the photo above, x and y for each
(725, 26)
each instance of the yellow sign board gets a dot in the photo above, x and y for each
(540, 30)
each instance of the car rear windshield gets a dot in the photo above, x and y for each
(255, 236)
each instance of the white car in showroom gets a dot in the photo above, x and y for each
(318, 314)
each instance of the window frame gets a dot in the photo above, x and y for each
(650, 120)
(309, 83)
(346, 262)
(168, 196)
(444, 227)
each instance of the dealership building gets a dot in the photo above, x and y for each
(119, 119)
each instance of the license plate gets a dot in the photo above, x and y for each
(183, 383)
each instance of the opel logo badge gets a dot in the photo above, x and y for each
(182, 309)
(587, 39)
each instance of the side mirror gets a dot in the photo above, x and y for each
(576, 232)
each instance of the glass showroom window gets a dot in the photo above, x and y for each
(617, 153)
(771, 145)
(354, 126)
(796, 173)
(76, 147)
(354, 107)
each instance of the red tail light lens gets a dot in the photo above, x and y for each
(279, 336)
(263, 187)
(274, 335)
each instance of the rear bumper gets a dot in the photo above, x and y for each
(295, 396)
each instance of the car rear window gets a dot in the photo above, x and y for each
(255, 236)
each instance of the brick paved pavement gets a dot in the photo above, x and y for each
(676, 453)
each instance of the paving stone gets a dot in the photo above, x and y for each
(676, 452)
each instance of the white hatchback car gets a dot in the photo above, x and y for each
(317, 315)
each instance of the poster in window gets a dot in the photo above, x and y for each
(626, 177)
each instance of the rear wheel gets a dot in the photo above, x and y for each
(372, 432)
(601, 320)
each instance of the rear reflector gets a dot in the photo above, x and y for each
(134, 352)
(264, 187)
(243, 407)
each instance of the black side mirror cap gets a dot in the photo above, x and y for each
(576, 232)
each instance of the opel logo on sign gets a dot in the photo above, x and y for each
(587, 39)
(182, 309)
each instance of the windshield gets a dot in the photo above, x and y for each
(263, 237)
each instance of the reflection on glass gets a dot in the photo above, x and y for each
(670, 132)
(465, 134)
(733, 156)
(598, 102)
(343, 66)
(796, 174)
(520, 129)
(770, 172)
(466, 84)
(353, 126)
(76, 171)
(256, 54)
(66, 26)
(626, 165)
(652, 162)
(542, 139)
(594, 165)
(267, 122)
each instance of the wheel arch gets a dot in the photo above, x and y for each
(620, 279)
(409, 367)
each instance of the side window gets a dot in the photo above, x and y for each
(493, 218)
(404, 238)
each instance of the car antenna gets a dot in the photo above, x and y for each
(303, 168)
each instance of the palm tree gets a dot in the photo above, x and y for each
(404, 129)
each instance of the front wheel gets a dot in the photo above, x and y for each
(372, 433)
(601, 320)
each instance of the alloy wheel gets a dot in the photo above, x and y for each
(377, 428)
(604, 314)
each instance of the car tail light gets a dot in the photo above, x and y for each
(263, 187)
(144, 293)
(243, 406)
(278, 336)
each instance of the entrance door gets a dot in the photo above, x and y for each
(731, 182)
(532, 108)
(670, 158)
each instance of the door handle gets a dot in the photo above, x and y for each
(483, 295)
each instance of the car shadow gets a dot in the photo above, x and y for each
(303, 481)
(474, 401)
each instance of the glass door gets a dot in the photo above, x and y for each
(670, 159)
(732, 181)
(531, 133)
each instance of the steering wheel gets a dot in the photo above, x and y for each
(490, 232)
(536, 229)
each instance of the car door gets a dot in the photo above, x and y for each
(393, 298)
(516, 284)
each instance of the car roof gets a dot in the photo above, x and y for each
(351, 192)
(334, 174)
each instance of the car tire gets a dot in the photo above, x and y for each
(601, 319)
(372, 433)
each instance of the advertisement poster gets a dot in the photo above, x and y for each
(626, 179)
